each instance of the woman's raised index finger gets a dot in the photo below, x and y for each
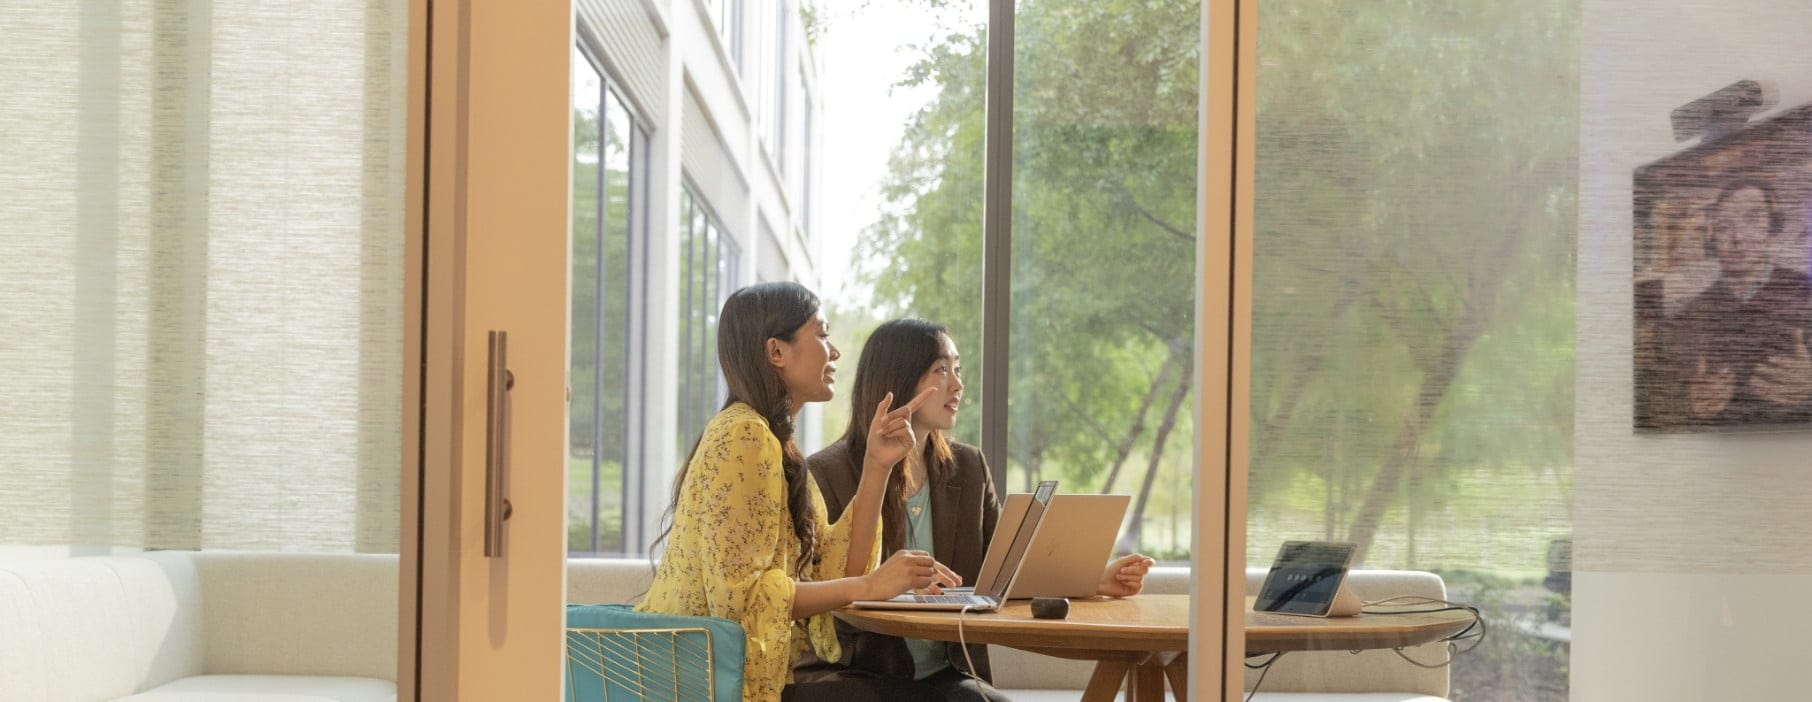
(913, 406)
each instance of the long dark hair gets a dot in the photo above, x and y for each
(893, 360)
(750, 317)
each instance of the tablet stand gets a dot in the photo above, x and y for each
(1346, 604)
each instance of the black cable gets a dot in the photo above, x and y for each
(1267, 661)
(1265, 669)
(1478, 623)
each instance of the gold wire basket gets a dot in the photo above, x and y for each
(605, 665)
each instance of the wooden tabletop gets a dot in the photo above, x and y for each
(1138, 642)
(1150, 623)
(1135, 624)
(1267, 631)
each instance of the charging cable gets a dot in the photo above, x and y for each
(1264, 669)
(963, 641)
(1474, 631)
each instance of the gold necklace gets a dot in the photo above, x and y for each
(917, 509)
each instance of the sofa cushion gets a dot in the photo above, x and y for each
(299, 614)
(97, 628)
(607, 580)
(1366, 671)
(270, 688)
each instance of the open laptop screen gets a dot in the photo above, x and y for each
(1022, 538)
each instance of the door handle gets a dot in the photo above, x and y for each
(498, 384)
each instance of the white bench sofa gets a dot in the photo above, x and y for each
(178, 626)
(1338, 676)
(209, 627)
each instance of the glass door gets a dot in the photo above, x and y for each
(1527, 317)
(1415, 199)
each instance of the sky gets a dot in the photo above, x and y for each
(865, 48)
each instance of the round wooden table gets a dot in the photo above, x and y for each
(1141, 641)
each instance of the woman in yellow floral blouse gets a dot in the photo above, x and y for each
(748, 539)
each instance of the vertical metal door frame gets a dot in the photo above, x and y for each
(1223, 348)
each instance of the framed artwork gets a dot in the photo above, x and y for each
(1723, 307)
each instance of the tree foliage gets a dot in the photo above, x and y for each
(1416, 179)
(1103, 230)
(1413, 284)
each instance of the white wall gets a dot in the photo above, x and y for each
(1692, 556)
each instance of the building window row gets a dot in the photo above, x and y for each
(709, 261)
(726, 16)
(620, 342)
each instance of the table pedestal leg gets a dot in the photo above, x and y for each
(1106, 681)
(1146, 682)
(1178, 672)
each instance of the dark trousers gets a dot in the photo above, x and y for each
(845, 684)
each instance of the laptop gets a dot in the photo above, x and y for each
(1072, 545)
(1019, 521)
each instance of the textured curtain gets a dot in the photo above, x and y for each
(201, 270)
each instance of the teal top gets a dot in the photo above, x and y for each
(928, 657)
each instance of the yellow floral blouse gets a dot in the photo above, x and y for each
(732, 549)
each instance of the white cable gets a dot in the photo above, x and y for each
(963, 641)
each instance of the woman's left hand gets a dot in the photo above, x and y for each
(1125, 576)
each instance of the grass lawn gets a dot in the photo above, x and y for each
(578, 505)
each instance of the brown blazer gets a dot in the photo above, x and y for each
(964, 512)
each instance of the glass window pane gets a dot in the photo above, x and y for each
(1413, 326)
(901, 180)
(583, 480)
(707, 253)
(689, 217)
(709, 306)
(613, 323)
(1103, 277)
(777, 120)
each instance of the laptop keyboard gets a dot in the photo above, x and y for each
(953, 599)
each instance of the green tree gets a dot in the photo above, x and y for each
(1413, 315)
(1416, 180)
(1104, 198)
(1413, 324)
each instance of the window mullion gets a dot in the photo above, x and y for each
(997, 238)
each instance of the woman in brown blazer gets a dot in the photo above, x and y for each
(940, 499)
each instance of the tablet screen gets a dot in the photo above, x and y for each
(1305, 577)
